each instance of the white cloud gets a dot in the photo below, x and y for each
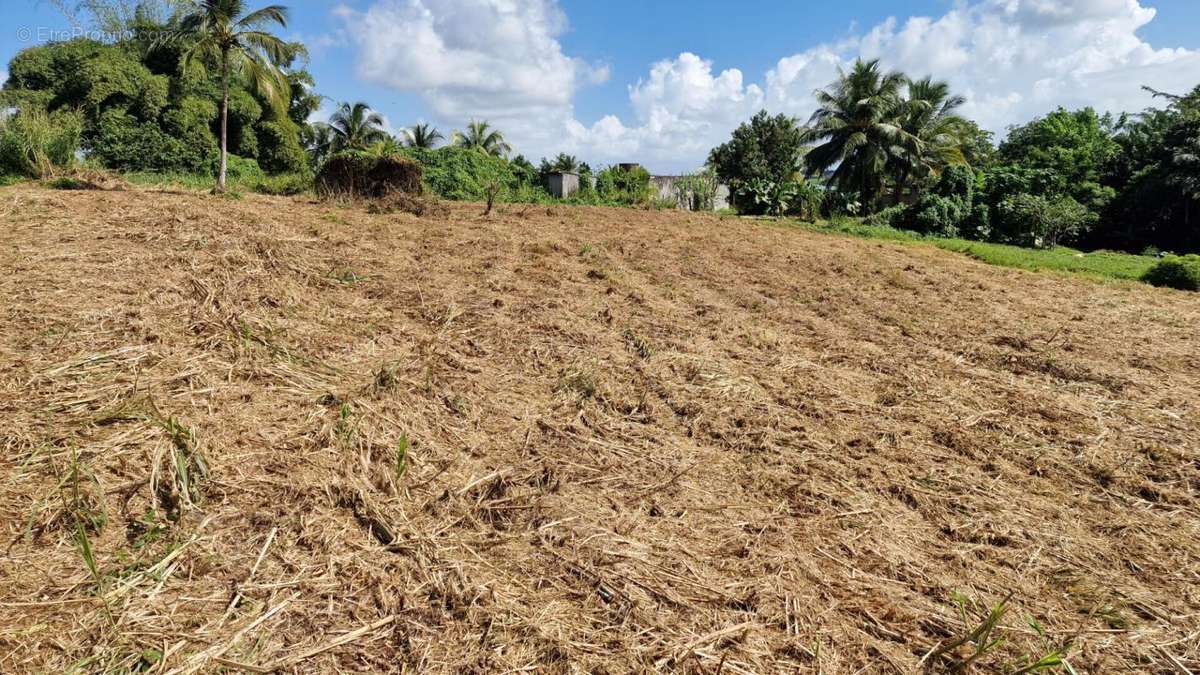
(487, 58)
(501, 60)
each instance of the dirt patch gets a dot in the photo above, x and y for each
(283, 434)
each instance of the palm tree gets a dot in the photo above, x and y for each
(318, 139)
(480, 136)
(566, 163)
(387, 146)
(422, 136)
(222, 30)
(936, 134)
(356, 127)
(857, 128)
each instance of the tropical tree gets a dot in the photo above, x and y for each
(318, 139)
(857, 129)
(356, 127)
(935, 135)
(764, 156)
(566, 163)
(387, 146)
(481, 136)
(237, 40)
(422, 136)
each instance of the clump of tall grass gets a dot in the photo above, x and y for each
(37, 144)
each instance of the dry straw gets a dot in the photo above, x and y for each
(269, 434)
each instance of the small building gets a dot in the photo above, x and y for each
(562, 184)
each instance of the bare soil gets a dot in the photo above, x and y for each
(298, 437)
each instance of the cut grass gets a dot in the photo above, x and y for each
(1103, 264)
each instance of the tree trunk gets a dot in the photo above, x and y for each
(898, 194)
(224, 118)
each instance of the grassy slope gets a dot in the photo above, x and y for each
(1105, 264)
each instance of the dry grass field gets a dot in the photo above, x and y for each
(268, 434)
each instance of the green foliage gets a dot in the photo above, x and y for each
(151, 101)
(284, 184)
(118, 140)
(279, 147)
(697, 191)
(865, 130)
(1105, 264)
(1040, 222)
(482, 137)
(626, 187)
(35, 144)
(460, 173)
(1157, 176)
(1074, 148)
(244, 169)
(1181, 272)
(764, 149)
(791, 197)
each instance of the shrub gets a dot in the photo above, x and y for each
(938, 215)
(1040, 222)
(1181, 272)
(285, 184)
(35, 144)
(355, 175)
(765, 148)
(120, 141)
(240, 169)
(462, 173)
(892, 216)
(628, 187)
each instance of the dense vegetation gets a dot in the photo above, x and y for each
(895, 149)
(143, 106)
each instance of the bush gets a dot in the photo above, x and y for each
(285, 184)
(892, 216)
(240, 169)
(1181, 272)
(35, 144)
(462, 173)
(1040, 222)
(938, 215)
(355, 175)
(627, 187)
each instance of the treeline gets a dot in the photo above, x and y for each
(895, 150)
(140, 107)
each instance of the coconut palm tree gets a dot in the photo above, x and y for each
(857, 129)
(318, 140)
(936, 134)
(356, 127)
(237, 40)
(387, 146)
(481, 136)
(422, 136)
(566, 163)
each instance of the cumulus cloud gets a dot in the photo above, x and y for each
(501, 60)
(486, 58)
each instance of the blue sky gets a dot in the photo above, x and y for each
(662, 81)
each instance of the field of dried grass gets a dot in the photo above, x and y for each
(274, 435)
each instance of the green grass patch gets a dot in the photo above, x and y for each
(1103, 264)
(287, 184)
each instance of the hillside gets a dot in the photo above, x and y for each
(634, 440)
